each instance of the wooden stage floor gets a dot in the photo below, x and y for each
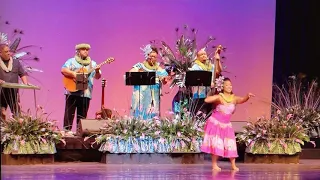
(307, 169)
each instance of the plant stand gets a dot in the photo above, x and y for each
(272, 158)
(153, 158)
(26, 159)
(41, 153)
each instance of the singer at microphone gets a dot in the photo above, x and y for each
(203, 63)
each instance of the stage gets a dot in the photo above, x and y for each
(77, 150)
(308, 169)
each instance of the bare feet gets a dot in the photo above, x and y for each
(235, 168)
(216, 167)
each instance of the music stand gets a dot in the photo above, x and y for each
(198, 78)
(140, 78)
(82, 81)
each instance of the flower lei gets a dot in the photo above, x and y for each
(228, 100)
(147, 65)
(84, 62)
(204, 66)
(4, 67)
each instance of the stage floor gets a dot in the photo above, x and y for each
(308, 169)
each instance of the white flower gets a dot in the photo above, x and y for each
(3, 38)
(146, 50)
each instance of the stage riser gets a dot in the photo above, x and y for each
(77, 150)
(310, 145)
(271, 159)
(26, 159)
(82, 155)
(174, 158)
(310, 154)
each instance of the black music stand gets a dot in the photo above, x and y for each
(82, 81)
(140, 78)
(198, 78)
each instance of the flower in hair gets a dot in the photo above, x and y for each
(146, 50)
(219, 83)
(4, 38)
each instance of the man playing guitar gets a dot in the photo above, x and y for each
(79, 99)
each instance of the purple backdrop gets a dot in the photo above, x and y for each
(119, 28)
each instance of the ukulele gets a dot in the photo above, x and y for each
(103, 113)
(70, 84)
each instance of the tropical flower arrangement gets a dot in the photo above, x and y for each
(281, 134)
(170, 134)
(27, 134)
(301, 98)
(23, 53)
(310, 117)
(180, 58)
(295, 118)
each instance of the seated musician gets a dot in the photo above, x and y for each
(10, 71)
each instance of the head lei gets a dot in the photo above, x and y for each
(84, 62)
(4, 39)
(82, 46)
(146, 50)
(219, 83)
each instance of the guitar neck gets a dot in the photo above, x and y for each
(103, 63)
(92, 69)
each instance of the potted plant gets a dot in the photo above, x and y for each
(280, 136)
(173, 133)
(301, 98)
(27, 134)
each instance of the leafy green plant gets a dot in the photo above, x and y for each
(27, 134)
(281, 134)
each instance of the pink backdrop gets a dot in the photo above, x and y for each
(119, 28)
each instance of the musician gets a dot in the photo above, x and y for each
(148, 96)
(79, 100)
(202, 63)
(10, 71)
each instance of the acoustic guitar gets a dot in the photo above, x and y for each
(104, 113)
(70, 83)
